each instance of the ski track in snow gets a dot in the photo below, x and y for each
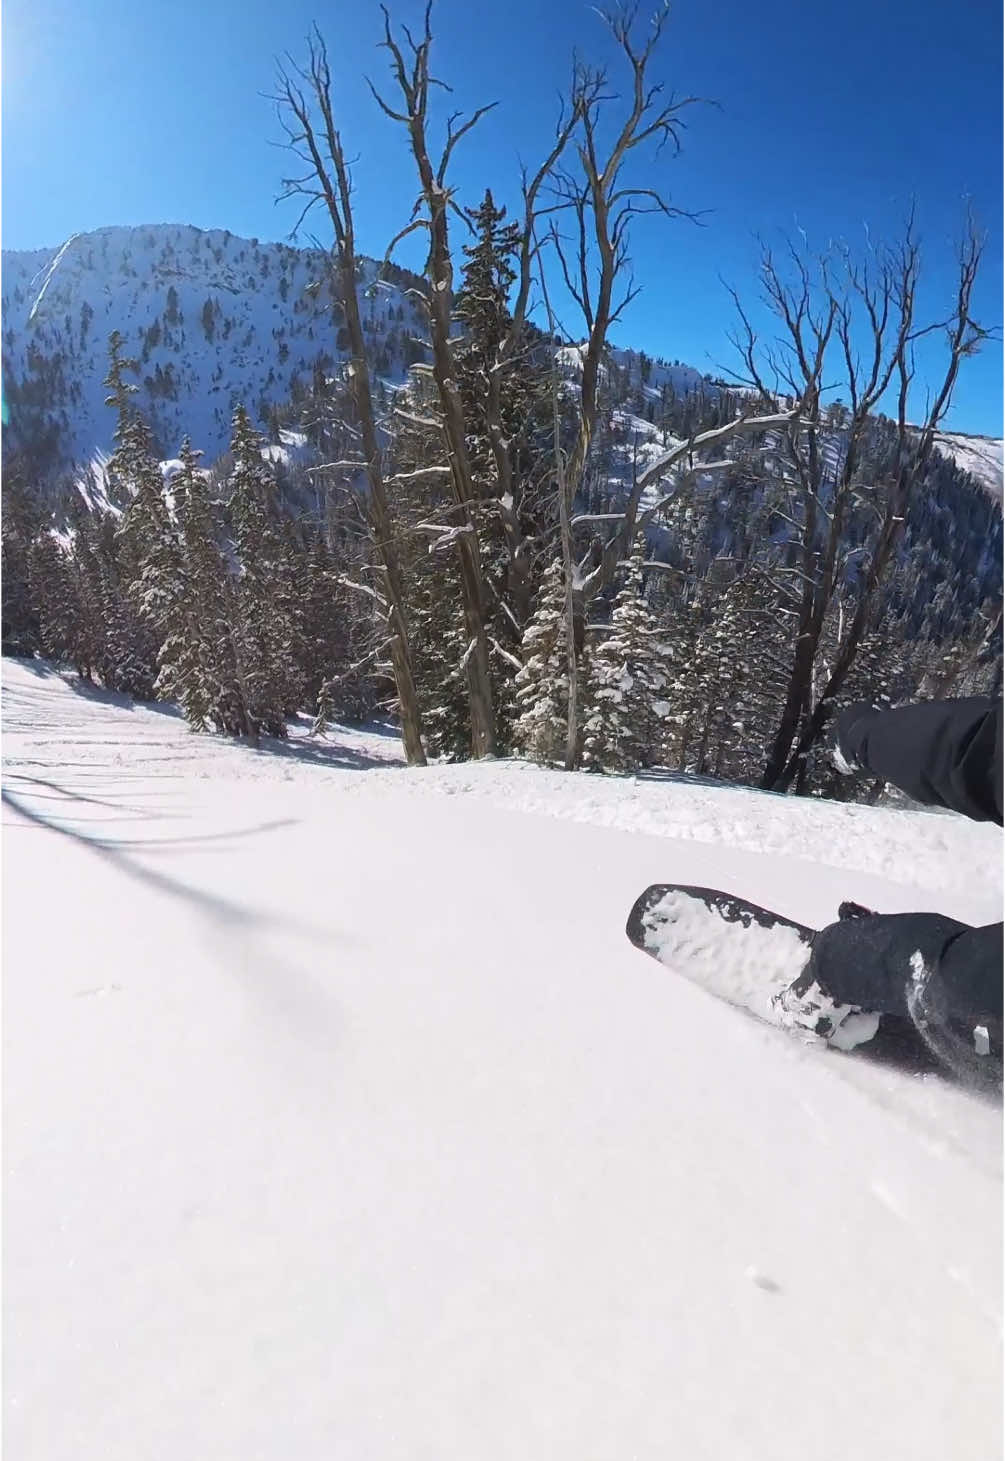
(49, 275)
(342, 1119)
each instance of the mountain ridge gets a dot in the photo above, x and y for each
(215, 318)
(211, 317)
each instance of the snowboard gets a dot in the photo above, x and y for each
(748, 956)
(759, 961)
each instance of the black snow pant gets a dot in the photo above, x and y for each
(942, 753)
(868, 962)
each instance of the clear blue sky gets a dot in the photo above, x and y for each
(833, 114)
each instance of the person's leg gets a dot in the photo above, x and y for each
(971, 977)
(866, 960)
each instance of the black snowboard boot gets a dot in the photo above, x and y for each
(942, 976)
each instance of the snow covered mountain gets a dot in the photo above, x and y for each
(215, 319)
(211, 318)
(321, 1140)
(632, 372)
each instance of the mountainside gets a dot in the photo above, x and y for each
(980, 456)
(212, 320)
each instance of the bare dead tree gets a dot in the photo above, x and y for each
(565, 499)
(306, 111)
(509, 491)
(602, 202)
(822, 321)
(431, 214)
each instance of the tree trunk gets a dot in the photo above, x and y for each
(572, 648)
(796, 695)
(439, 271)
(518, 578)
(333, 189)
(408, 700)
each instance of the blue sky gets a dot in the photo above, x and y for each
(830, 116)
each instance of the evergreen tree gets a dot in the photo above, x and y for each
(488, 277)
(182, 578)
(132, 457)
(423, 508)
(56, 602)
(265, 638)
(216, 686)
(115, 575)
(440, 647)
(110, 640)
(542, 683)
(289, 602)
(730, 639)
(21, 521)
(351, 634)
(519, 384)
(90, 567)
(747, 656)
(323, 631)
(626, 685)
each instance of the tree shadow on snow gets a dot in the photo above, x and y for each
(693, 778)
(40, 668)
(61, 793)
(98, 695)
(318, 752)
(385, 729)
(238, 932)
(115, 851)
(304, 747)
(661, 773)
(118, 847)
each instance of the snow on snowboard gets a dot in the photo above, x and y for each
(748, 956)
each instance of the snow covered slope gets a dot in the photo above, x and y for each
(638, 374)
(342, 1119)
(981, 456)
(640, 380)
(213, 319)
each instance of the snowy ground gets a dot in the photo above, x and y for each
(341, 1120)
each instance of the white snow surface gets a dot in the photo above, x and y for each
(981, 456)
(341, 1118)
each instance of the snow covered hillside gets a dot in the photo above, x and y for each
(639, 374)
(342, 1119)
(638, 381)
(981, 456)
(213, 320)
